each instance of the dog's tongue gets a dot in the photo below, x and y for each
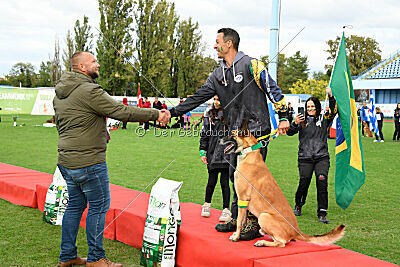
(228, 147)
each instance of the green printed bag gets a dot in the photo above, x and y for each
(56, 200)
(162, 224)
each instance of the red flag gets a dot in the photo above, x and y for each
(139, 98)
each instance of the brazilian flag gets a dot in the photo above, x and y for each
(350, 171)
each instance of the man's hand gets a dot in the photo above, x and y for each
(283, 126)
(204, 159)
(163, 117)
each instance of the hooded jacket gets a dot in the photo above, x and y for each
(81, 107)
(212, 132)
(313, 136)
(241, 89)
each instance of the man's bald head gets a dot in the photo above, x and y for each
(85, 63)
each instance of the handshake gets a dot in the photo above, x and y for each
(163, 117)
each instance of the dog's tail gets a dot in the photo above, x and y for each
(324, 239)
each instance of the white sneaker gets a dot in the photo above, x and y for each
(225, 215)
(376, 141)
(382, 141)
(205, 211)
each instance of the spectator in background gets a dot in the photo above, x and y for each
(125, 102)
(396, 115)
(157, 105)
(181, 121)
(379, 119)
(164, 106)
(146, 104)
(186, 118)
(364, 117)
(290, 112)
(212, 154)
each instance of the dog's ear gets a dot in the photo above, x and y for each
(244, 125)
(244, 131)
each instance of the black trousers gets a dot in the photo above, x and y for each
(396, 134)
(380, 125)
(124, 123)
(224, 181)
(321, 169)
(232, 169)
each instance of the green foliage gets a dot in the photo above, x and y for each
(43, 78)
(188, 56)
(319, 75)
(114, 45)
(22, 74)
(362, 53)
(55, 65)
(155, 26)
(313, 87)
(296, 69)
(371, 220)
(5, 82)
(83, 36)
(69, 51)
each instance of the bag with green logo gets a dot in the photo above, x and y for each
(162, 224)
(56, 200)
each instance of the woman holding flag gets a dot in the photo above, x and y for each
(313, 155)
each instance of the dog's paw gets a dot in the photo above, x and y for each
(259, 243)
(234, 237)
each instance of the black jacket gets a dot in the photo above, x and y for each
(212, 131)
(242, 89)
(312, 138)
(396, 115)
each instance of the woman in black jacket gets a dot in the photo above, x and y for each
(379, 120)
(396, 115)
(313, 155)
(212, 154)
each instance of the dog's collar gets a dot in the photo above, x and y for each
(249, 149)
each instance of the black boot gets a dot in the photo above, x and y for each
(251, 230)
(229, 226)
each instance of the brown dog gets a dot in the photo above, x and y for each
(254, 183)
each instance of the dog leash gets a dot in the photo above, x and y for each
(266, 136)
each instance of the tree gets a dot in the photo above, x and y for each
(155, 26)
(22, 74)
(313, 87)
(362, 53)
(114, 45)
(83, 36)
(296, 69)
(44, 76)
(189, 58)
(319, 75)
(69, 51)
(55, 65)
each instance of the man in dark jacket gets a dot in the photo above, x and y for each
(242, 84)
(81, 107)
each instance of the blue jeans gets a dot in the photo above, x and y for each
(89, 184)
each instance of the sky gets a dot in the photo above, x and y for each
(29, 28)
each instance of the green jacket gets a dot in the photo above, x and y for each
(81, 107)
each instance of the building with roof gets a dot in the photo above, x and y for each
(383, 81)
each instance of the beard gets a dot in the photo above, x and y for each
(94, 75)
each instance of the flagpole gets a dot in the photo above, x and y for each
(337, 52)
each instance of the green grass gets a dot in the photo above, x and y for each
(372, 219)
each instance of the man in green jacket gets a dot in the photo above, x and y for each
(81, 108)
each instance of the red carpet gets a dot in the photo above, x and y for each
(199, 244)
